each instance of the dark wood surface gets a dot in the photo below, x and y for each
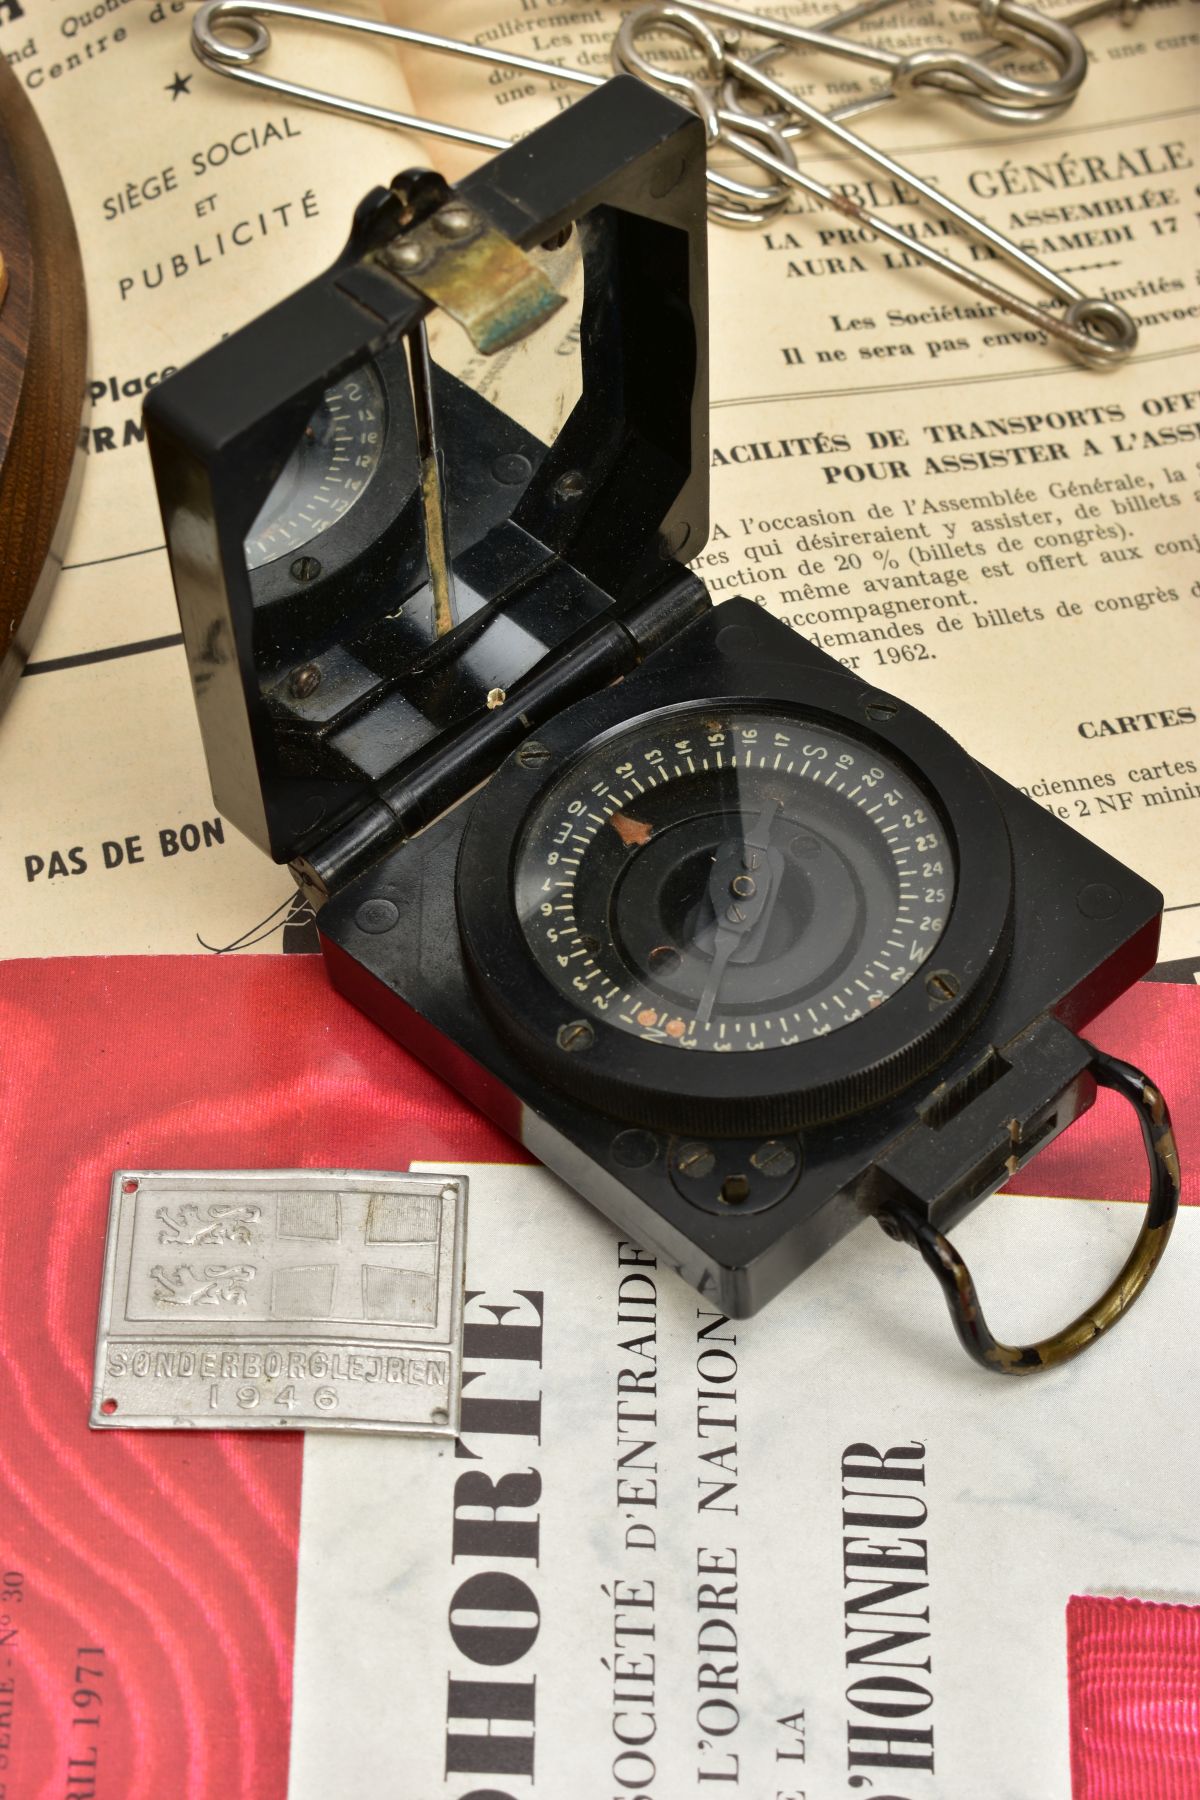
(43, 368)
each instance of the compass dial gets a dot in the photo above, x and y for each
(732, 880)
(328, 471)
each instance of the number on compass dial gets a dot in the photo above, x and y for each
(328, 471)
(732, 881)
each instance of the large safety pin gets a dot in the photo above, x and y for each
(962, 76)
(743, 202)
(1095, 331)
(1021, 108)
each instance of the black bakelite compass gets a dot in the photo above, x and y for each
(745, 949)
(732, 880)
(708, 898)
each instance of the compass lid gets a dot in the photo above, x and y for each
(373, 557)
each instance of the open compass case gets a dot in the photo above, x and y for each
(744, 949)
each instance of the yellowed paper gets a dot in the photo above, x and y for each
(198, 203)
(925, 487)
(939, 498)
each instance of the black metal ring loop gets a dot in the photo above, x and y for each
(1162, 1205)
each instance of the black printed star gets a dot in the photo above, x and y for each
(180, 85)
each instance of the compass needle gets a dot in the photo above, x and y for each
(727, 943)
(698, 915)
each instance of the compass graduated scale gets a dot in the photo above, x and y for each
(746, 950)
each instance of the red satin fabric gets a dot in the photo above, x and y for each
(1134, 1674)
(1156, 1026)
(175, 1553)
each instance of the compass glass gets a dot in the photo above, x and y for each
(328, 471)
(732, 880)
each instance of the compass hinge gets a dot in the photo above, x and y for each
(455, 763)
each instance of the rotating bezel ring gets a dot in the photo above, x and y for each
(782, 1087)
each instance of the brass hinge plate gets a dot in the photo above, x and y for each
(484, 281)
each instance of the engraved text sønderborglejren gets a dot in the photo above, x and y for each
(240, 1364)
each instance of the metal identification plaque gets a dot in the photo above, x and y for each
(260, 1299)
